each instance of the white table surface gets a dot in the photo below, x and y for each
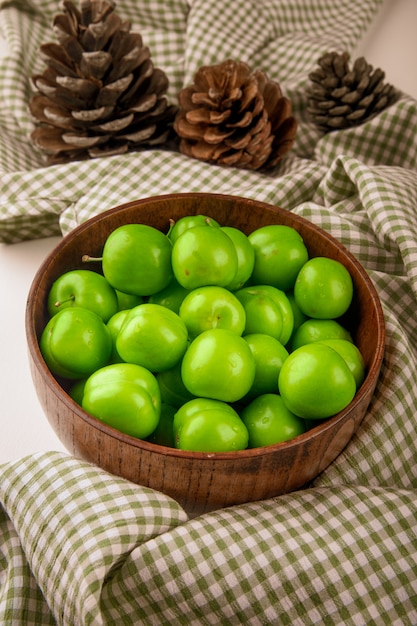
(390, 44)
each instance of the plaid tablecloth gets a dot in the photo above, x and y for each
(78, 546)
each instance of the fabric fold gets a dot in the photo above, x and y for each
(284, 41)
(76, 525)
(80, 547)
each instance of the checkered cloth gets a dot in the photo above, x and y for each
(79, 546)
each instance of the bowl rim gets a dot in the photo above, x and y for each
(123, 438)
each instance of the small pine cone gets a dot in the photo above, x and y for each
(234, 117)
(341, 97)
(99, 94)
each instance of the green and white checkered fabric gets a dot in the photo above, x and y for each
(80, 547)
(284, 39)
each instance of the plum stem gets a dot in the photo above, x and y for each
(71, 298)
(86, 258)
(171, 226)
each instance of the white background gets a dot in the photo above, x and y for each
(390, 44)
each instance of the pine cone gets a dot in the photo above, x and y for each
(234, 117)
(341, 97)
(100, 94)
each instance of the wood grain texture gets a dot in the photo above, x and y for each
(204, 481)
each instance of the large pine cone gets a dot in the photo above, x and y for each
(341, 97)
(100, 94)
(234, 117)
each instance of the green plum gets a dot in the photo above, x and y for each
(269, 421)
(315, 382)
(163, 435)
(216, 429)
(128, 300)
(152, 336)
(218, 364)
(75, 343)
(187, 222)
(352, 355)
(173, 390)
(212, 307)
(76, 391)
(85, 289)
(137, 259)
(116, 373)
(204, 256)
(263, 314)
(114, 325)
(245, 257)
(124, 396)
(316, 330)
(196, 406)
(269, 355)
(171, 297)
(298, 315)
(281, 300)
(280, 253)
(323, 289)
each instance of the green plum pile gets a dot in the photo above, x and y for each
(205, 338)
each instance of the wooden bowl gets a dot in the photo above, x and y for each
(204, 481)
